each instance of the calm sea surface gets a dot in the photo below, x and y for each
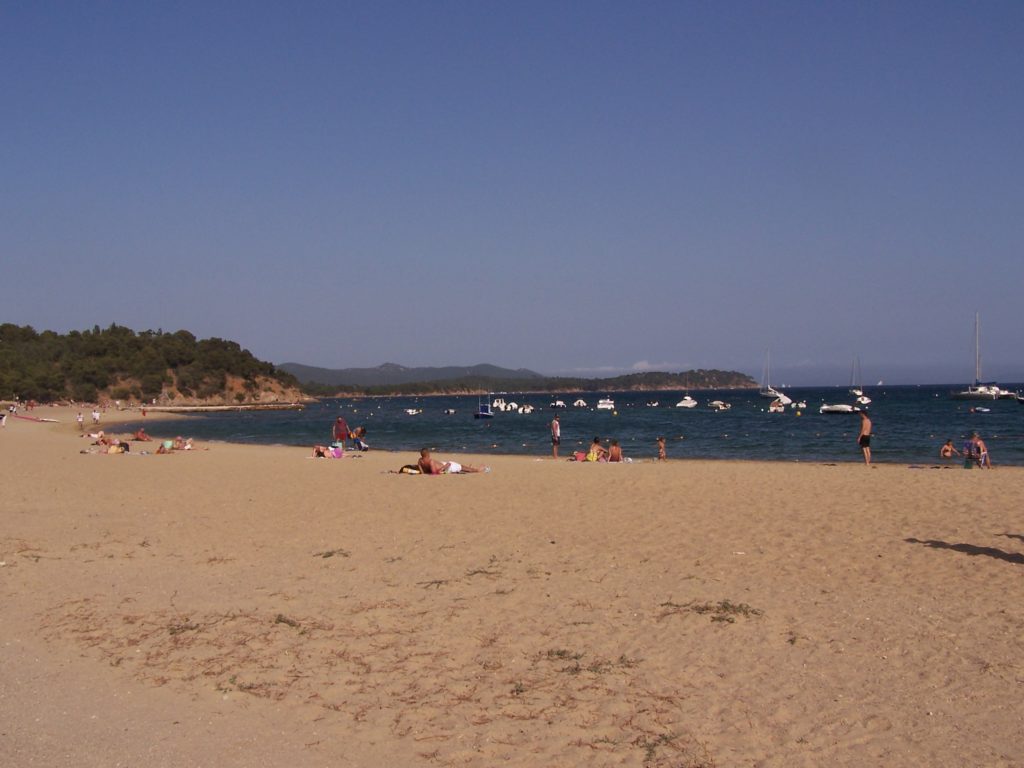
(910, 423)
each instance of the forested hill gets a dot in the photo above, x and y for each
(116, 363)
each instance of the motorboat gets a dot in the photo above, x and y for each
(483, 409)
(776, 406)
(606, 404)
(687, 402)
(579, 403)
(558, 404)
(449, 411)
(719, 405)
(839, 408)
(652, 404)
(499, 404)
(525, 409)
(414, 411)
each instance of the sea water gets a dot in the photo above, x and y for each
(910, 423)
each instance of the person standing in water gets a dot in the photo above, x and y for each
(864, 438)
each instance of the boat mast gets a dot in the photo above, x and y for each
(977, 348)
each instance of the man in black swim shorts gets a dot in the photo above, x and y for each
(556, 436)
(864, 438)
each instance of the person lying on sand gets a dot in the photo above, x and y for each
(141, 436)
(407, 469)
(428, 466)
(328, 452)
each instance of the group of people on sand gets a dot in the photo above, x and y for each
(597, 452)
(342, 434)
(975, 452)
(113, 445)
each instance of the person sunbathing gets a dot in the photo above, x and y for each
(141, 436)
(429, 466)
(328, 452)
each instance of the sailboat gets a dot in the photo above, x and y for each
(779, 400)
(980, 390)
(856, 388)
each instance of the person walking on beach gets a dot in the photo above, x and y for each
(864, 438)
(81, 421)
(556, 436)
(341, 431)
(95, 416)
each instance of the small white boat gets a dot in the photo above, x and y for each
(526, 409)
(687, 402)
(839, 408)
(449, 411)
(606, 404)
(776, 406)
(499, 404)
(580, 403)
(652, 404)
(414, 411)
(719, 405)
(558, 404)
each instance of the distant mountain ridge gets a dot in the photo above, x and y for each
(392, 374)
(392, 379)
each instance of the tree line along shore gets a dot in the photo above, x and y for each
(178, 370)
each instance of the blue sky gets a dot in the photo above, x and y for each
(560, 186)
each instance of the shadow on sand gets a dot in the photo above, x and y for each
(972, 550)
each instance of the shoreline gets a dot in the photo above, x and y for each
(116, 419)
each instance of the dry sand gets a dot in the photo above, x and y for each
(246, 606)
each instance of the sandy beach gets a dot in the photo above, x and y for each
(250, 606)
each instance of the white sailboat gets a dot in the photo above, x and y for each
(767, 390)
(980, 390)
(856, 388)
